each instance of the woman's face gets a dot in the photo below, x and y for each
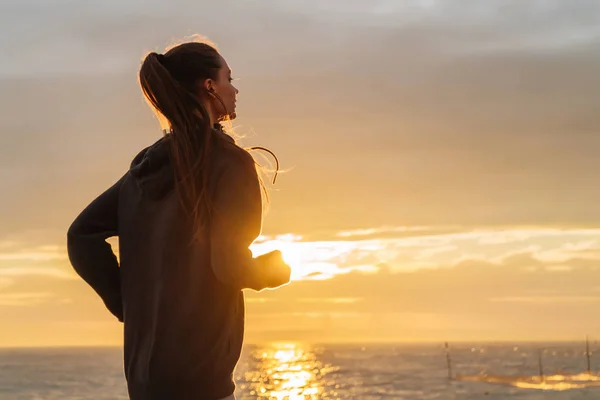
(223, 88)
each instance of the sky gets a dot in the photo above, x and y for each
(440, 160)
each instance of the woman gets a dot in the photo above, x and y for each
(185, 214)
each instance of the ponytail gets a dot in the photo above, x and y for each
(170, 84)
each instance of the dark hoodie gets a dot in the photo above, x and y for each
(181, 301)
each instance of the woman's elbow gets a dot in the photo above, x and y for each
(75, 229)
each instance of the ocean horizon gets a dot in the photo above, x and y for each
(292, 370)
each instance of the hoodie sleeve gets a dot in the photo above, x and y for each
(89, 253)
(236, 222)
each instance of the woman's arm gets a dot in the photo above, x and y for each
(91, 256)
(236, 222)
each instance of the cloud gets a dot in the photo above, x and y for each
(379, 232)
(23, 299)
(334, 300)
(443, 136)
(487, 300)
(430, 289)
(464, 288)
(431, 247)
(589, 249)
(43, 254)
(25, 256)
(43, 271)
(548, 299)
(509, 291)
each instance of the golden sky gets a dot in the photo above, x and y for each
(441, 161)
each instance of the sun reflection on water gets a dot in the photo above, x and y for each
(287, 371)
(557, 383)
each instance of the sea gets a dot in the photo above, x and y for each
(530, 371)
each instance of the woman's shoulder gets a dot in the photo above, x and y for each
(232, 156)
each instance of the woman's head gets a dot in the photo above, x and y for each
(190, 89)
(191, 78)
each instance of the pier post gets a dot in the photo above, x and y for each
(587, 354)
(540, 365)
(449, 362)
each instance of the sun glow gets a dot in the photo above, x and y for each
(305, 259)
(317, 260)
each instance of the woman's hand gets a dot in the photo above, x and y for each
(277, 271)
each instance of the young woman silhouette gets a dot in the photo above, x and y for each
(185, 214)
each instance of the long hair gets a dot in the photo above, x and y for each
(171, 84)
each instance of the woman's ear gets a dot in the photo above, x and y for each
(209, 85)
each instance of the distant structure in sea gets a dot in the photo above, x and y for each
(567, 375)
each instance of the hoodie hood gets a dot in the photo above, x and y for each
(152, 170)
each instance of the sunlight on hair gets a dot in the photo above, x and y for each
(196, 37)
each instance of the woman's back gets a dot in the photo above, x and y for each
(181, 322)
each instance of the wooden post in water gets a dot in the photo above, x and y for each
(540, 365)
(449, 362)
(587, 354)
